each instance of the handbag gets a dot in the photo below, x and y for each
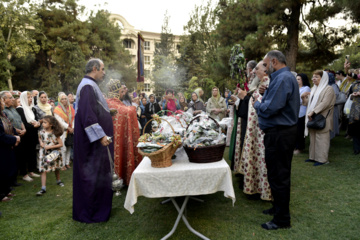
(341, 98)
(52, 156)
(69, 141)
(318, 122)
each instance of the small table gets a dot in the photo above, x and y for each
(183, 178)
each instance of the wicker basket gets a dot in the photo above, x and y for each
(205, 154)
(162, 157)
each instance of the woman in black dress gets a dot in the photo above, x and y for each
(29, 117)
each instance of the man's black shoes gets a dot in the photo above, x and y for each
(273, 226)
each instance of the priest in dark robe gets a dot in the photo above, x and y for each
(92, 193)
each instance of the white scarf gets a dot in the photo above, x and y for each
(314, 97)
(29, 114)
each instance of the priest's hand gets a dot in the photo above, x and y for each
(242, 94)
(104, 141)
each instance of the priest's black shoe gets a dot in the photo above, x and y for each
(272, 226)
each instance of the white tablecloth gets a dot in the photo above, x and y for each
(183, 178)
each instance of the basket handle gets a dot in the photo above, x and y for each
(218, 125)
(158, 113)
(154, 120)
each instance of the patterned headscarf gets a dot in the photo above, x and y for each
(113, 86)
(66, 114)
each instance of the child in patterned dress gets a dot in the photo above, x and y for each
(50, 158)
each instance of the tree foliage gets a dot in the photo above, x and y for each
(65, 44)
(19, 24)
(354, 57)
(200, 49)
(299, 28)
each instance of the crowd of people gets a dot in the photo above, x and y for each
(270, 121)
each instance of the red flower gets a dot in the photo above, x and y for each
(246, 86)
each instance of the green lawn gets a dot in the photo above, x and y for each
(324, 205)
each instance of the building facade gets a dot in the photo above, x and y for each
(129, 37)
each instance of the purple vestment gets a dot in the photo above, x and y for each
(92, 193)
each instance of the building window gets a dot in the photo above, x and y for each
(147, 45)
(128, 43)
(147, 73)
(147, 59)
(146, 87)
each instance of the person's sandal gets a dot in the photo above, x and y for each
(6, 199)
(61, 184)
(41, 192)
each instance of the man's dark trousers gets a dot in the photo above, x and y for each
(279, 146)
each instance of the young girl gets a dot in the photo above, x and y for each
(50, 158)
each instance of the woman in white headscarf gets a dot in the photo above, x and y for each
(321, 101)
(30, 139)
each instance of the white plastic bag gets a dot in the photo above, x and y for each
(347, 107)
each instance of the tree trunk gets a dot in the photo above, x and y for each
(9, 74)
(293, 28)
(9, 81)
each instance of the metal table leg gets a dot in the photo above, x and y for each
(181, 215)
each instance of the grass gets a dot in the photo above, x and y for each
(324, 205)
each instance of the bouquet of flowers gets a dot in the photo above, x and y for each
(149, 143)
(237, 63)
(203, 133)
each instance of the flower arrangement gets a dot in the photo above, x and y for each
(237, 63)
(149, 143)
(203, 133)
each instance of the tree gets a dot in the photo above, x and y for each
(165, 73)
(354, 54)
(66, 44)
(200, 48)
(105, 43)
(279, 27)
(59, 65)
(352, 9)
(18, 28)
(206, 84)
